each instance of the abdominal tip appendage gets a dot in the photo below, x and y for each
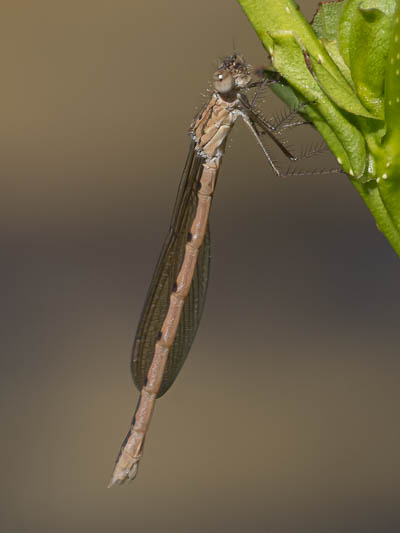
(120, 475)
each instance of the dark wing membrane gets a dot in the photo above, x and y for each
(190, 317)
(168, 266)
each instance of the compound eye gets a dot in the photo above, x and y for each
(223, 81)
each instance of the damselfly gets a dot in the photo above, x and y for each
(175, 300)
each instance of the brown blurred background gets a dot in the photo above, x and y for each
(285, 416)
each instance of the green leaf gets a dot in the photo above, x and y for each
(325, 24)
(326, 20)
(364, 34)
(342, 95)
(348, 68)
(371, 194)
(332, 48)
(391, 142)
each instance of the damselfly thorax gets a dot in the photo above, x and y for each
(176, 296)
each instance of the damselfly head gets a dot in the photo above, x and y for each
(233, 73)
